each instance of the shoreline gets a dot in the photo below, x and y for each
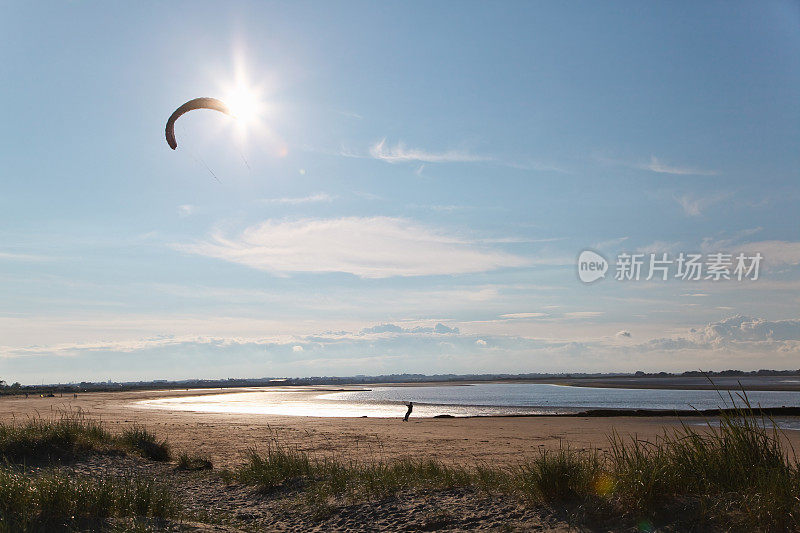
(226, 438)
(655, 413)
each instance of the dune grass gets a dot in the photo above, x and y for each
(145, 443)
(193, 462)
(48, 499)
(70, 435)
(40, 439)
(735, 474)
(52, 500)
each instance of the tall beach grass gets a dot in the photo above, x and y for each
(70, 435)
(53, 501)
(734, 473)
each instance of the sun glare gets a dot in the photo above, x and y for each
(248, 100)
(244, 104)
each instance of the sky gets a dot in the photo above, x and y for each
(409, 190)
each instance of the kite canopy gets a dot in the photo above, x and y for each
(197, 103)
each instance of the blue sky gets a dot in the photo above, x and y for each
(409, 165)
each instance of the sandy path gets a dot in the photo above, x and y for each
(226, 437)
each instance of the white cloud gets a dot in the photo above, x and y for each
(439, 329)
(694, 206)
(736, 342)
(368, 195)
(773, 252)
(660, 247)
(318, 197)
(743, 328)
(376, 247)
(523, 315)
(656, 165)
(583, 314)
(400, 153)
(737, 333)
(185, 210)
(610, 243)
(724, 243)
(13, 256)
(441, 208)
(349, 114)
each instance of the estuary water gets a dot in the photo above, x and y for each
(481, 399)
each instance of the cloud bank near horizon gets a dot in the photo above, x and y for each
(735, 342)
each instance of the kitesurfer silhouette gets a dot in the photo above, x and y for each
(408, 413)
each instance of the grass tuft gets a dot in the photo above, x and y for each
(45, 440)
(193, 462)
(140, 440)
(71, 435)
(737, 469)
(55, 501)
(561, 475)
(732, 474)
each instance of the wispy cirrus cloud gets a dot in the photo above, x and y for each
(186, 210)
(610, 243)
(583, 314)
(368, 247)
(523, 315)
(401, 153)
(775, 253)
(312, 198)
(14, 256)
(659, 166)
(694, 205)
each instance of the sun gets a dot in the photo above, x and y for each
(249, 102)
(244, 102)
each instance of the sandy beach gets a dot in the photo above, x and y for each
(225, 438)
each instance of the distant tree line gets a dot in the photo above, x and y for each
(108, 386)
(721, 373)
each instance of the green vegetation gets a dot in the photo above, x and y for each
(734, 475)
(51, 440)
(328, 477)
(193, 462)
(738, 472)
(145, 443)
(71, 435)
(54, 501)
(49, 499)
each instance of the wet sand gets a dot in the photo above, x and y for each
(225, 438)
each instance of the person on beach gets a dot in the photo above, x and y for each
(408, 413)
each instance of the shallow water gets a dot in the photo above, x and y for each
(457, 400)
